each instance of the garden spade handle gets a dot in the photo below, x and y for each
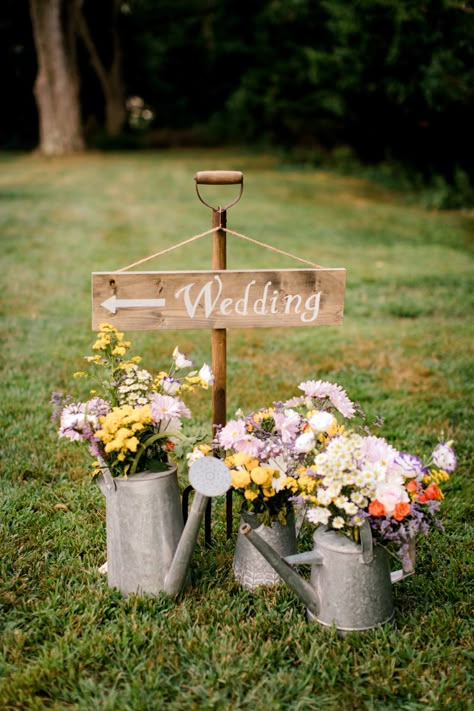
(219, 342)
(219, 177)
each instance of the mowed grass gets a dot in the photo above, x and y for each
(404, 352)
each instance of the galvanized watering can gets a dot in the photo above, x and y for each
(350, 584)
(148, 548)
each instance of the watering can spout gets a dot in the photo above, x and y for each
(209, 477)
(299, 585)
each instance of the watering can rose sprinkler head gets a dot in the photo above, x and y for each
(209, 477)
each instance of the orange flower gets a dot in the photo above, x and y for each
(411, 486)
(401, 510)
(376, 508)
(433, 492)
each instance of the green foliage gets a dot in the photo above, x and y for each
(403, 352)
(392, 79)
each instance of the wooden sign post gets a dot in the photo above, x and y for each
(218, 299)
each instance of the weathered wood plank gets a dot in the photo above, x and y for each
(141, 301)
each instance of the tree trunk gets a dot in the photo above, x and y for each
(110, 79)
(57, 83)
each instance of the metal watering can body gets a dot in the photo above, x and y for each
(148, 547)
(350, 584)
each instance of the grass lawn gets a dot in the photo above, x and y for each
(404, 352)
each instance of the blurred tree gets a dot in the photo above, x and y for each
(109, 73)
(386, 79)
(56, 26)
(57, 82)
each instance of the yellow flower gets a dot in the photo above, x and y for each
(239, 478)
(132, 444)
(308, 483)
(261, 475)
(269, 492)
(250, 495)
(204, 448)
(437, 476)
(290, 483)
(119, 350)
(244, 459)
(80, 374)
(94, 359)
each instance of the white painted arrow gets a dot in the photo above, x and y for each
(112, 304)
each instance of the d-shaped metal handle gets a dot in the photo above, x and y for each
(219, 177)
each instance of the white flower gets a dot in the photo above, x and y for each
(321, 421)
(358, 499)
(193, 456)
(350, 508)
(318, 515)
(305, 443)
(279, 465)
(324, 496)
(169, 385)
(338, 522)
(334, 490)
(444, 457)
(180, 360)
(206, 375)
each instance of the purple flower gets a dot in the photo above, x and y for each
(410, 465)
(76, 423)
(444, 457)
(98, 407)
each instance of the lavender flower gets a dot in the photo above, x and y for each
(444, 457)
(410, 465)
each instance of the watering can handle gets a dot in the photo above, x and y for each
(367, 543)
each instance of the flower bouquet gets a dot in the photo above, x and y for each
(132, 422)
(268, 450)
(132, 418)
(363, 478)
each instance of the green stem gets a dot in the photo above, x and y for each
(151, 440)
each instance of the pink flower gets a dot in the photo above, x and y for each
(287, 424)
(235, 436)
(165, 407)
(377, 449)
(337, 395)
(389, 495)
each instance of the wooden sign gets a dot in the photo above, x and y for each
(221, 299)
